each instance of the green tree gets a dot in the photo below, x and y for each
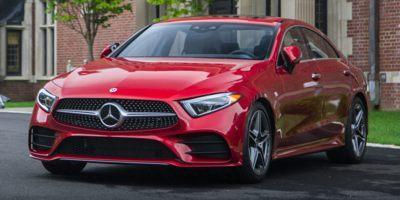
(181, 8)
(86, 16)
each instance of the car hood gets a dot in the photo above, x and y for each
(152, 78)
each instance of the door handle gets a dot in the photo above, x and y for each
(316, 76)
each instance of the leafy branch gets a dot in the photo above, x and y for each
(86, 16)
(181, 8)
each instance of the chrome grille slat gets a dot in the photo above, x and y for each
(127, 114)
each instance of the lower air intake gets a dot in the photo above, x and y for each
(207, 146)
(128, 148)
(41, 139)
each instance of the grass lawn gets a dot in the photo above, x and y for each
(20, 104)
(384, 126)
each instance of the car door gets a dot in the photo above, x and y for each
(335, 82)
(300, 104)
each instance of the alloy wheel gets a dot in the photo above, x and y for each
(358, 130)
(259, 142)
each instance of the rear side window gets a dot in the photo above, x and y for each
(294, 37)
(319, 47)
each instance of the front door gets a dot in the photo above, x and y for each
(300, 105)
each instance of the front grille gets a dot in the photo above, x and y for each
(206, 146)
(129, 124)
(128, 148)
(127, 104)
(41, 139)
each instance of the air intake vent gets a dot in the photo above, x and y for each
(41, 139)
(207, 146)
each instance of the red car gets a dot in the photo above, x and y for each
(205, 92)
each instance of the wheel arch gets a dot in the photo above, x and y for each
(363, 99)
(268, 106)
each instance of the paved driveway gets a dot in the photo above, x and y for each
(304, 177)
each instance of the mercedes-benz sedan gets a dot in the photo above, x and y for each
(205, 92)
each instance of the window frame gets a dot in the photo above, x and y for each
(46, 43)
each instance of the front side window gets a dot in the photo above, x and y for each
(318, 46)
(202, 40)
(294, 37)
(13, 52)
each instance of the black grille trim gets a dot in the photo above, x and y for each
(128, 148)
(207, 146)
(129, 124)
(41, 139)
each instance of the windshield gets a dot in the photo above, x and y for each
(202, 40)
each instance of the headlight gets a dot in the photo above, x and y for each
(204, 105)
(46, 100)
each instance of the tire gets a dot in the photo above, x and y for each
(255, 168)
(355, 136)
(61, 167)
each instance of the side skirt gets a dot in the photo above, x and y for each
(311, 147)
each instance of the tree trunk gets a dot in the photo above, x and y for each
(90, 51)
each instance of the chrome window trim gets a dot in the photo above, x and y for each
(318, 59)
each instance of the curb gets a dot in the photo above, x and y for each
(386, 146)
(15, 112)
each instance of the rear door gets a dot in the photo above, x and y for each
(300, 104)
(335, 82)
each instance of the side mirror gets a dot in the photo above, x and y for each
(108, 50)
(293, 55)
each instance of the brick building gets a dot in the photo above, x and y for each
(34, 48)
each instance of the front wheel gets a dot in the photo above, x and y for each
(355, 136)
(61, 167)
(257, 145)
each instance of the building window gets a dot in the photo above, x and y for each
(321, 15)
(13, 52)
(48, 42)
(223, 7)
(268, 7)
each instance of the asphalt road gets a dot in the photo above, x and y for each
(305, 177)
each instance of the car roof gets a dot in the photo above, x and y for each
(231, 19)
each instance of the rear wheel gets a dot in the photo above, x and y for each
(257, 145)
(355, 136)
(64, 167)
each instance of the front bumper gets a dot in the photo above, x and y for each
(227, 124)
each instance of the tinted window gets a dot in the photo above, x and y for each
(319, 47)
(13, 52)
(202, 40)
(294, 37)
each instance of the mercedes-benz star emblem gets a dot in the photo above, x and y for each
(112, 90)
(110, 115)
